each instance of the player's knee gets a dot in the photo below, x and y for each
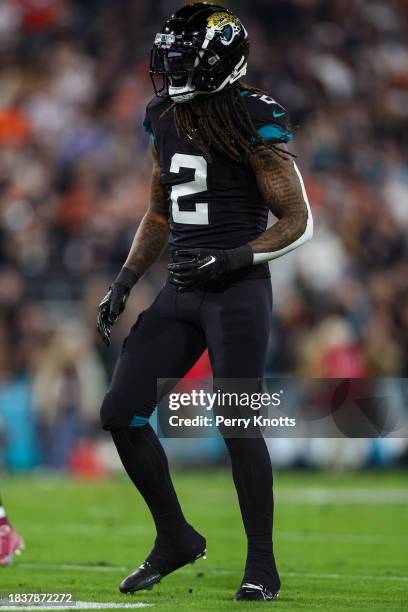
(115, 413)
(111, 417)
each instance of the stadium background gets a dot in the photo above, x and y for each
(74, 181)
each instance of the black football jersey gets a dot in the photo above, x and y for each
(213, 204)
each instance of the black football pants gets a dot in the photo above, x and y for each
(165, 342)
(169, 337)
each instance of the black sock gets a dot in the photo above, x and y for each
(252, 473)
(146, 463)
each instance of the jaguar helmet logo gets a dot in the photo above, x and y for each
(226, 24)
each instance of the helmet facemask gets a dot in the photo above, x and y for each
(174, 65)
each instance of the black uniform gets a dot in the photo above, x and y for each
(211, 205)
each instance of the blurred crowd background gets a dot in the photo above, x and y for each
(74, 184)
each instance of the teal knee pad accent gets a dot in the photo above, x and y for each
(139, 421)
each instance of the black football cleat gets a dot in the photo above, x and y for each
(145, 577)
(163, 560)
(249, 591)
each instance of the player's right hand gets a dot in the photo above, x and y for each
(112, 305)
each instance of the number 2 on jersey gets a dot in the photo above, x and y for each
(199, 216)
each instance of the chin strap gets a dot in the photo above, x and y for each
(238, 72)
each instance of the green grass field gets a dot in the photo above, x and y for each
(341, 541)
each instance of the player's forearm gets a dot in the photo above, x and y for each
(282, 188)
(284, 236)
(149, 242)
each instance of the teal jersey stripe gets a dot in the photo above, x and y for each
(148, 131)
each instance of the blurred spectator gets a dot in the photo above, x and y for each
(68, 388)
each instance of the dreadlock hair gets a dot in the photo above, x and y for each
(221, 123)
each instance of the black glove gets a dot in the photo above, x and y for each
(201, 268)
(114, 302)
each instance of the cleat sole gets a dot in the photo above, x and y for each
(148, 587)
(201, 555)
(276, 596)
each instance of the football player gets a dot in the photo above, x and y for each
(10, 542)
(220, 163)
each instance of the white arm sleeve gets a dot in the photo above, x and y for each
(307, 234)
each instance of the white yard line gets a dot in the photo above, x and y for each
(343, 576)
(73, 567)
(342, 496)
(314, 536)
(83, 527)
(82, 605)
(352, 538)
(187, 570)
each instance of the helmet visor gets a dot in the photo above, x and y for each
(176, 64)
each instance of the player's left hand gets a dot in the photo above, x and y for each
(114, 302)
(112, 305)
(197, 269)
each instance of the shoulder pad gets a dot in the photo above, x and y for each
(154, 109)
(270, 118)
(157, 102)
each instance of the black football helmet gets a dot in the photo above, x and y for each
(202, 49)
